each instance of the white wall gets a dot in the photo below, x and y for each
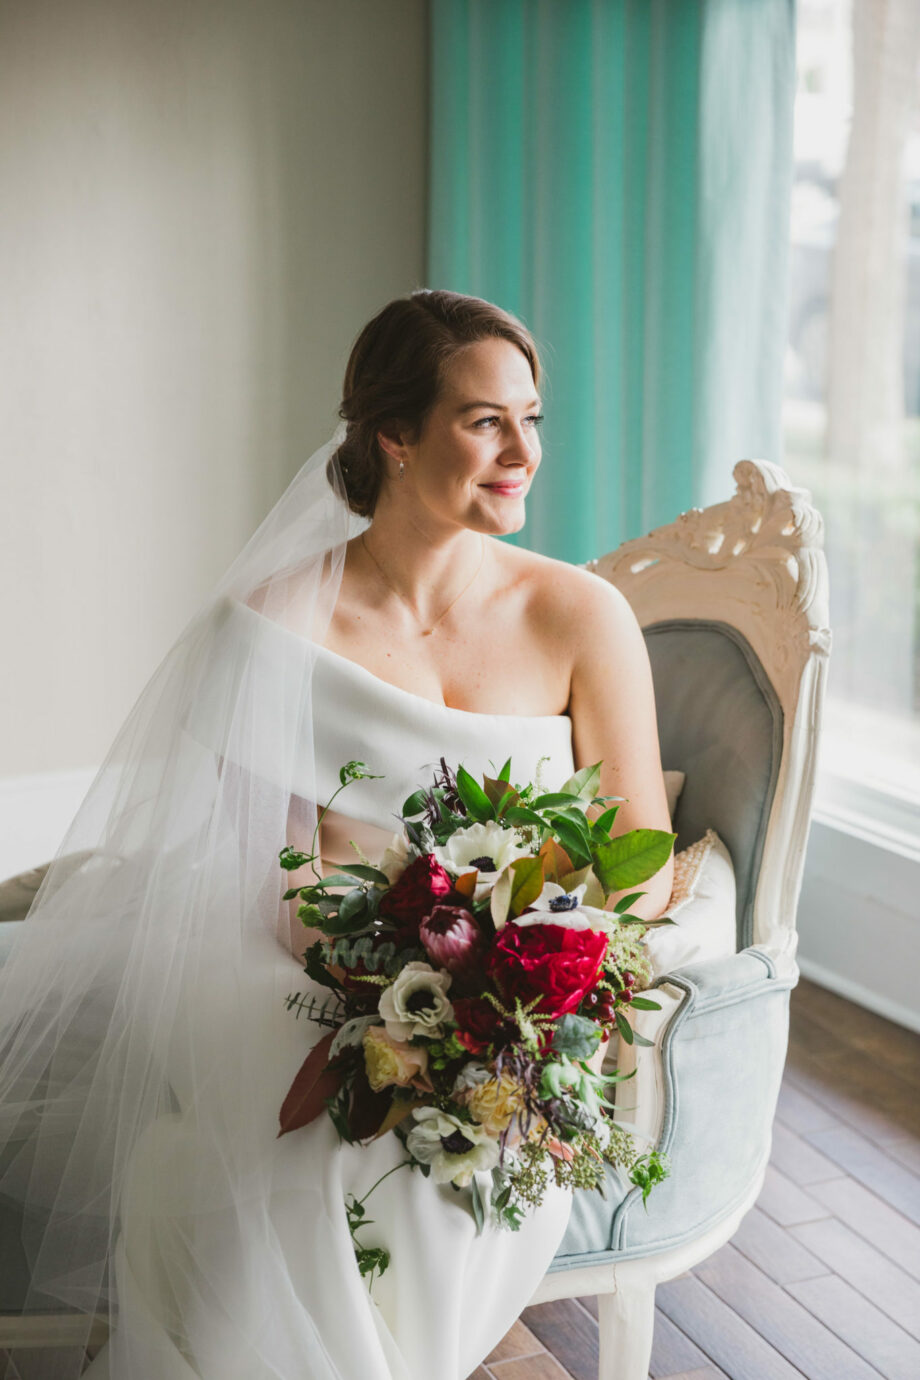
(202, 203)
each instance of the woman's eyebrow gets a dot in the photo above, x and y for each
(497, 407)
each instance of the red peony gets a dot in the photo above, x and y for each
(557, 964)
(479, 1023)
(416, 891)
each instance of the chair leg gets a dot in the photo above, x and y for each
(626, 1322)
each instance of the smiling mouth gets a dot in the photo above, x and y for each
(509, 489)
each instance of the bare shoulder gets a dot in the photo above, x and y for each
(573, 603)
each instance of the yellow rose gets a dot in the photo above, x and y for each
(495, 1104)
(390, 1061)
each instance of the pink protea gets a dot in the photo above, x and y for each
(451, 937)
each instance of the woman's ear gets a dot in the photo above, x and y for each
(393, 442)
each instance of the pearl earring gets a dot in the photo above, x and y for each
(402, 469)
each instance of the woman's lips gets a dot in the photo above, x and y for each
(509, 490)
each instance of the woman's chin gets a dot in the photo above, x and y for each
(503, 522)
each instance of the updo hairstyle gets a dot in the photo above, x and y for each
(395, 373)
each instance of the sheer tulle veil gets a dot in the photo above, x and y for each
(126, 1016)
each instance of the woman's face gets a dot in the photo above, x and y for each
(479, 448)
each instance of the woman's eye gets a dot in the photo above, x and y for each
(484, 423)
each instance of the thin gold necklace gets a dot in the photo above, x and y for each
(426, 632)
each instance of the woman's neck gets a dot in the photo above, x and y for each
(421, 563)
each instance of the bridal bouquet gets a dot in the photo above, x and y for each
(474, 975)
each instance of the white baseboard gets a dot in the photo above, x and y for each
(35, 814)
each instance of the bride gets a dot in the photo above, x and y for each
(145, 1040)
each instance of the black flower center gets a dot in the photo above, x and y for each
(456, 1143)
(483, 864)
(563, 903)
(422, 999)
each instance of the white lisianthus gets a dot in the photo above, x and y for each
(556, 906)
(472, 1075)
(396, 858)
(487, 848)
(416, 1003)
(455, 1149)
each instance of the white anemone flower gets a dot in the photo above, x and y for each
(416, 1003)
(396, 857)
(556, 906)
(487, 848)
(455, 1149)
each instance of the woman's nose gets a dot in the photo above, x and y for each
(519, 446)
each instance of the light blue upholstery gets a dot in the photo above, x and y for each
(723, 1059)
(721, 722)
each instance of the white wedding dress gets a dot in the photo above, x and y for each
(449, 1295)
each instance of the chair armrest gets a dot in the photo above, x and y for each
(720, 1047)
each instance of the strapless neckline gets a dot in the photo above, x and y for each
(384, 687)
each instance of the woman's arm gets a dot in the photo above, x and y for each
(612, 706)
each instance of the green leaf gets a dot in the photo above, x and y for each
(584, 783)
(526, 884)
(334, 879)
(631, 858)
(643, 1004)
(415, 804)
(625, 1028)
(641, 1040)
(625, 902)
(352, 914)
(289, 895)
(474, 797)
(479, 1213)
(290, 859)
(573, 840)
(604, 823)
(553, 798)
(576, 1036)
(518, 814)
(505, 773)
(366, 874)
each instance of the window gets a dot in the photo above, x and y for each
(852, 389)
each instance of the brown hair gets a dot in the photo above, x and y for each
(395, 372)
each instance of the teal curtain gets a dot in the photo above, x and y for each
(618, 174)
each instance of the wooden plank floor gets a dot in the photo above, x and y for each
(822, 1279)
